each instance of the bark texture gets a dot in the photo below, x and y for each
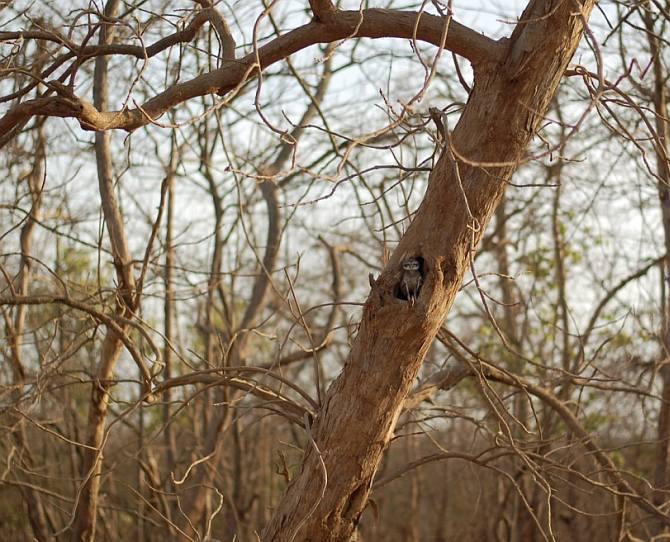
(325, 500)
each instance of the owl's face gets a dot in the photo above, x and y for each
(411, 264)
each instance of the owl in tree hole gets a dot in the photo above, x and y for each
(411, 279)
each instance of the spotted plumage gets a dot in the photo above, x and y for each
(411, 279)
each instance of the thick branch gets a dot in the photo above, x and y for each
(371, 23)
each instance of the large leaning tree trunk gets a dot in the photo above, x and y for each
(515, 79)
(348, 437)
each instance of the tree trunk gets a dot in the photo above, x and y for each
(216, 429)
(87, 504)
(15, 334)
(169, 440)
(325, 500)
(660, 99)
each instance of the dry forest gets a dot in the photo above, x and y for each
(318, 270)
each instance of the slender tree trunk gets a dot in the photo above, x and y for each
(86, 510)
(168, 311)
(269, 189)
(660, 97)
(214, 422)
(15, 332)
(414, 521)
(524, 526)
(347, 440)
(141, 504)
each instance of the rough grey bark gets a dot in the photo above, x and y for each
(347, 440)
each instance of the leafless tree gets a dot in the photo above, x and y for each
(212, 341)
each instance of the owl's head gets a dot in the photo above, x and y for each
(411, 264)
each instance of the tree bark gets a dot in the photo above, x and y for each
(325, 500)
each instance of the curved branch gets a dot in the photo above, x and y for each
(269, 189)
(571, 421)
(478, 368)
(287, 407)
(369, 23)
(85, 52)
(108, 321)
(609, 295)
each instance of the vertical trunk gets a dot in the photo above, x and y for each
(85, 514)
(168, 310)
(559, 261)
(16, 330)
(562, 325)
(523, 526)
(415, 520)
(270, 192)
(214, 424)
(510, 308)
(441, 534)
(663, 181)
(86, 509)
(141, 505)
(325, 500)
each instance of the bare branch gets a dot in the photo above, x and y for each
(372, 23)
